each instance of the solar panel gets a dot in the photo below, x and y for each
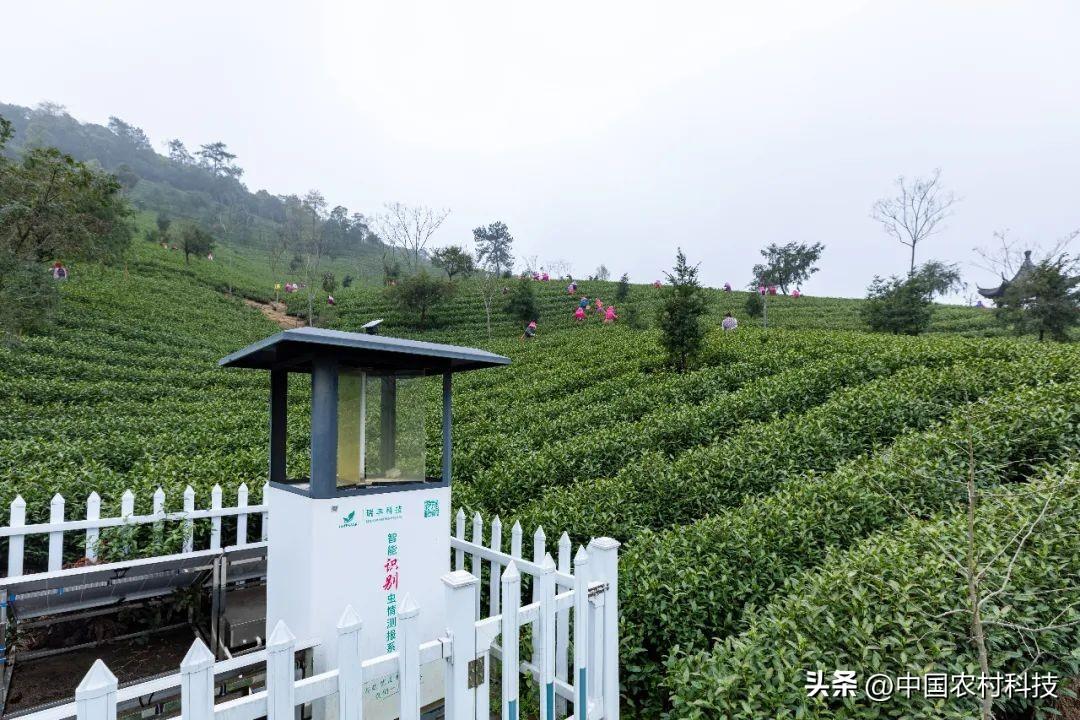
(77, 589)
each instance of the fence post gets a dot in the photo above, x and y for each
(241, 518)
(477, 563)
(127, 504)
(189, 524)
(460, 624)
(496, 568)
(515, 540)
(266, 515)
(511, 591)
(93, 512)
(459, 533)
(197, 683)
(581, 634)
(17, 518)
(56, 539)
(215, 522)
(562, 627)
(350, 669)
(605, 552)
(544, 638)
(539, 550)
(409, 658)
(159, 510)
(95, 698)
(280, 675)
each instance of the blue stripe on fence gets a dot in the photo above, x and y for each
(550, 701)
(513, 710)
(582, 710)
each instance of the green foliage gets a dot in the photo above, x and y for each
(680, 314)
(895, 603)
(329, 282)
(55, 207)
(494, 246)
(755, 304)
(420, 293)
(455, 260)
(28, 295)
(744, 555)
(195, 241)
(521, 302)
(1046, 302)
(898, 306)
(787, 265)
(622, 290)
(939, 278)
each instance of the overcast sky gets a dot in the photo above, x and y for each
(603, 132)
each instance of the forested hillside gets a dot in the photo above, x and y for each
(203, 184)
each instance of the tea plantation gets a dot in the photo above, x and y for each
(793, 503)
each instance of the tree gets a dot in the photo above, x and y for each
(681, 309)
(391, 269)
(787, 265)
(916, 212)
(313, 209)
(178, 152)
(901, 306)
(1045, 302)
(195, 241)
(28, 295)
(129, 133)
(56, 207)
(455, 260)
(622, 290)
(940, 278)
(329, 282)
(602, 273)
(409, 228)
(420, 293)
(493, 246)
(163, 222)
(755, 304)
(521, 303)
(216, 158)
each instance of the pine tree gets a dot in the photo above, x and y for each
(681, 310)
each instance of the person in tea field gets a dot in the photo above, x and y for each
(599, 306)
(729, 323)
(571, 288)
(584, 304)
(579, 313)
(59, 272)
(609, 315)
(530, 331)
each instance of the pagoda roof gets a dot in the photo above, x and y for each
(1025, 269)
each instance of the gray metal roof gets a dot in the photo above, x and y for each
(295, 349)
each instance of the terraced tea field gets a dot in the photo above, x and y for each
(787, 505)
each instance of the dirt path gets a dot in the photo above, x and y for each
(276, 313)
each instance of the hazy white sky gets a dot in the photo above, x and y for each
(603, 131)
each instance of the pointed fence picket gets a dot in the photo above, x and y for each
(16, 531)
(573, 616)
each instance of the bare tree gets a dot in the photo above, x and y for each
(559, 267)
(986, 569)
(409, 228)
(1006, 254)
(916, 212)
(314, 206)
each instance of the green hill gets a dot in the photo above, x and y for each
(738, 489)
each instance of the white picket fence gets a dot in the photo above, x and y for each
(573, 617)
(17, 530)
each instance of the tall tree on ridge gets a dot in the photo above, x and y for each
(916, 212)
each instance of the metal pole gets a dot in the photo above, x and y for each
(446, 418)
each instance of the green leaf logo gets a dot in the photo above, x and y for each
(348, 518)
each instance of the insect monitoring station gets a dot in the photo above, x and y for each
(367, 526)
